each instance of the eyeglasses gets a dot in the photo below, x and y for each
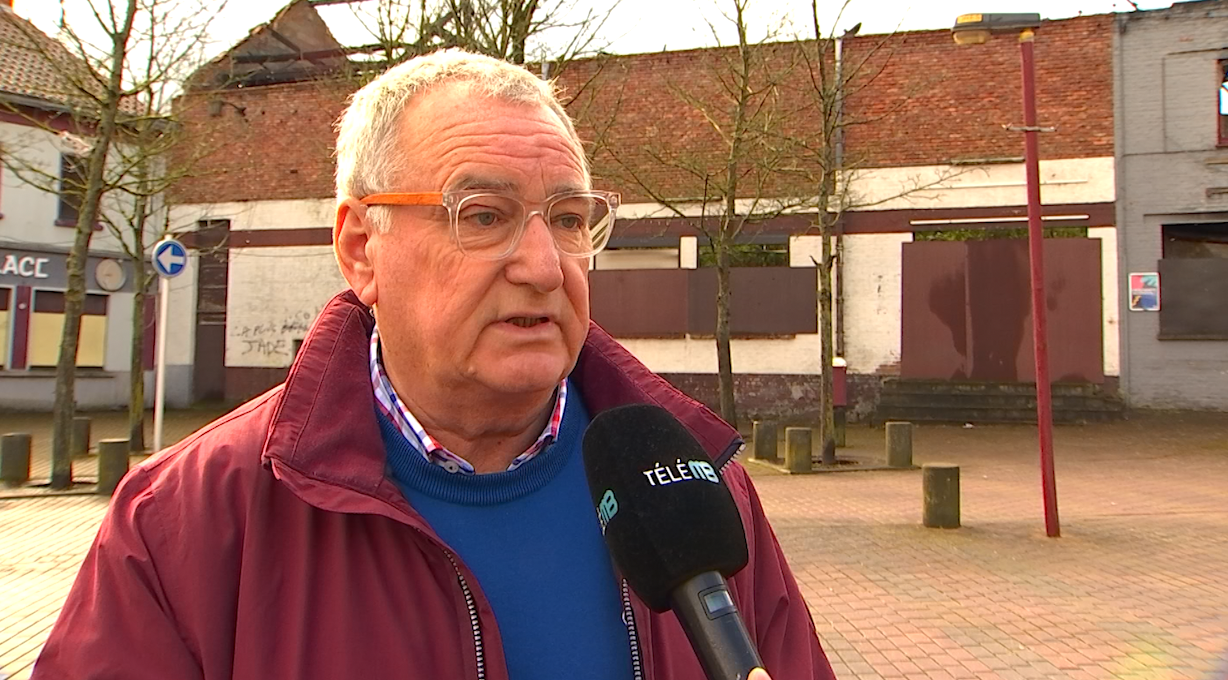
(489, 226)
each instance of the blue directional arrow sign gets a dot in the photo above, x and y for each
(170, 258)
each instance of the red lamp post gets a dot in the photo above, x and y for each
(973, 29)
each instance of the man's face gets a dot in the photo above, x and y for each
(449, 321)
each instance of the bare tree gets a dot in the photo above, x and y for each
(506, 29)
(113, 63)
(825, 164)
(740, 105)
(153, 156)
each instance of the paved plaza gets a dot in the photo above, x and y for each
(1136, 587)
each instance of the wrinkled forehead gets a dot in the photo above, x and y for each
(454, 122)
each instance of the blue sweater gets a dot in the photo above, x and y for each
(532, 538)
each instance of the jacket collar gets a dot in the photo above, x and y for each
(324, 429)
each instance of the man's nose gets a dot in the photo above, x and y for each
(536, 260)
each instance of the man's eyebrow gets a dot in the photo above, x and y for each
(480, 183)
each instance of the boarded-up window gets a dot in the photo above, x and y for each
(1193, 278)
(72, 189)
(6, 303)
(47, 325)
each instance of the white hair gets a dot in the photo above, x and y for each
(369, 158)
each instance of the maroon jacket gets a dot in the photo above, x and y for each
(271, 544)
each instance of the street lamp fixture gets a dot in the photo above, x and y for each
(975, 29)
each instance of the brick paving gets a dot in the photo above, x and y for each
(1136, 588)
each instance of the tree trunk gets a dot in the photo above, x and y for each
(827, 427)
(724, 359)
(66, 366)
(136, 367)
(74, 296)
(136, 350)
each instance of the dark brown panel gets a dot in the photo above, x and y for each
(764, 301)
(263, 238)
(998, 304)
(5, 295)
(994, 341)
(640, 303)
(95, 305)
(1074, 312)
(209, 357)
(49, 301)
(934, 324)
(1193, 302)
(52, 301)
(892, 221)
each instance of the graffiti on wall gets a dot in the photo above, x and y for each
(273, 339)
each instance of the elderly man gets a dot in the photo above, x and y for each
(411, 503)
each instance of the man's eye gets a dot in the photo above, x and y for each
(569, 221)
(483, 218)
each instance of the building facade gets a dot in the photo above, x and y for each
(40, 180)
(935, 115)
(1171, 102)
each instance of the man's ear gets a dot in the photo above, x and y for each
(353, 234)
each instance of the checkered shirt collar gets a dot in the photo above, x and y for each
(394, 409)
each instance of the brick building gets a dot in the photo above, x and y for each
(42, 132)
(936, 115)
(1171, 82)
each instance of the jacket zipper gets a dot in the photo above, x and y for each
(637, 666)
(474, 621)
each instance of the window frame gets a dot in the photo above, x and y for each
(1221, 102)
(61, 218)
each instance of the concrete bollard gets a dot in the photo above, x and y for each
(112, 464)
(764, 434)
(797, 449)
(15, 458)
(80, 436)
(940, 488)
(899, 445)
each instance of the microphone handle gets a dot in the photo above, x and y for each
(711, 620)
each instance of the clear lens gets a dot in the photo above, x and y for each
(488, 226)
(579, 224)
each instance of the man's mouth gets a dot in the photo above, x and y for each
(527, 321)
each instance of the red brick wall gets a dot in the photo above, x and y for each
(279, 147)
(929, 101)
(935, 100)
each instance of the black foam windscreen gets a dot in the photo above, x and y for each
(666, 513)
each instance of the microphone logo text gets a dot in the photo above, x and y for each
(607, 509)
(681, 471)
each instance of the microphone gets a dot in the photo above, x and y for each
(672, 528)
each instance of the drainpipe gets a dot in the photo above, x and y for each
(839, 226)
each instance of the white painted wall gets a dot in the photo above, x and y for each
(29, 212)
(181, 316)
(872, 294)
(274, 295)
(1108, 292)
(290, 214)
(1071, 180)
(796, 355)
(638, 258)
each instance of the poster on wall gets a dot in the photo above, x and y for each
(1145, 292)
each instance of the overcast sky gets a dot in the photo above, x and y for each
(651, 25)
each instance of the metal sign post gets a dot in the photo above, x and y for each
(170, 258)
